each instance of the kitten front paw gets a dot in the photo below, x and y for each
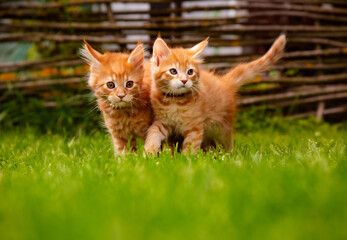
(151, 150)
(189, 150)
(119, 153)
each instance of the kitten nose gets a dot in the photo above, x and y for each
(184, 81)
(121, 96)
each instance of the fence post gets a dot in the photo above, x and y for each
(321, 104)
(320, 111)
(110, 17)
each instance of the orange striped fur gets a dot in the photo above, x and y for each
(122, 95)
(192, 102)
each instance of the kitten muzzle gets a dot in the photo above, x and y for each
(176, 94)
(121, 104)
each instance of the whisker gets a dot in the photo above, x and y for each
(93, 109)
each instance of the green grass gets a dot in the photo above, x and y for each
(284, 180)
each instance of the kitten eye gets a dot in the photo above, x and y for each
(190, 72)
(110, 85)
(129, 84)
(173, 71)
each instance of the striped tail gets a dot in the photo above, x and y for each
(243, 72)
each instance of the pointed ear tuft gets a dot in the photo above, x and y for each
(160, 50)
(197, 50)
(90, 55)
(137, 56)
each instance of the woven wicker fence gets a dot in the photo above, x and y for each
(311, 78)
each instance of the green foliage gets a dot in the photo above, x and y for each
(255, 118)
(33, 53)
(24, 111)
(14, 51)
(73, 106)
(274, 74)
(284, 180)
(291, 72)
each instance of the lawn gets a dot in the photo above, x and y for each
(284, 180)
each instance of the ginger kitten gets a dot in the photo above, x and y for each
(122, 96)
(193, 102)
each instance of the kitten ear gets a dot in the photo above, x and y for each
(137, 56)
(90, 55)
(197, 50)
(160, 50)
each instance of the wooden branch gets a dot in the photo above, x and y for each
(97, 17)
(337, 2)
(288, 55)
(317, 40)
(320, 34)
(26, 65)
(40, 84)
(327, 97)
(37, 37)
(35, 5)
(279, 28)
(306, 80)
(317, 52)
(304, 91)
(29, 78)
(329, 111)
(225, 67)
(335, 110)
(109, 26)
(185, 31)
(289, 6)
(238, 5)
(214, 27)
(267, 34)
(334, 18)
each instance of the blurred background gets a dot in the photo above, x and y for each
(43, 79)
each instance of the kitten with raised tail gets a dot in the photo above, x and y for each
(122, 96)
(195, 103)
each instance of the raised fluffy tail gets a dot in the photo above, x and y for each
(243, 72)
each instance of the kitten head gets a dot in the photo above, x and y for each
(175, 71)
(115, 77)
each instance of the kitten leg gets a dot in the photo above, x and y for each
(229, 147)
(193, 139)
(157, 132)
(119, 145)
(225, 139)
(133, 145)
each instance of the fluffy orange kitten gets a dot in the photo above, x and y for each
(122, 96)
(193, 102)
